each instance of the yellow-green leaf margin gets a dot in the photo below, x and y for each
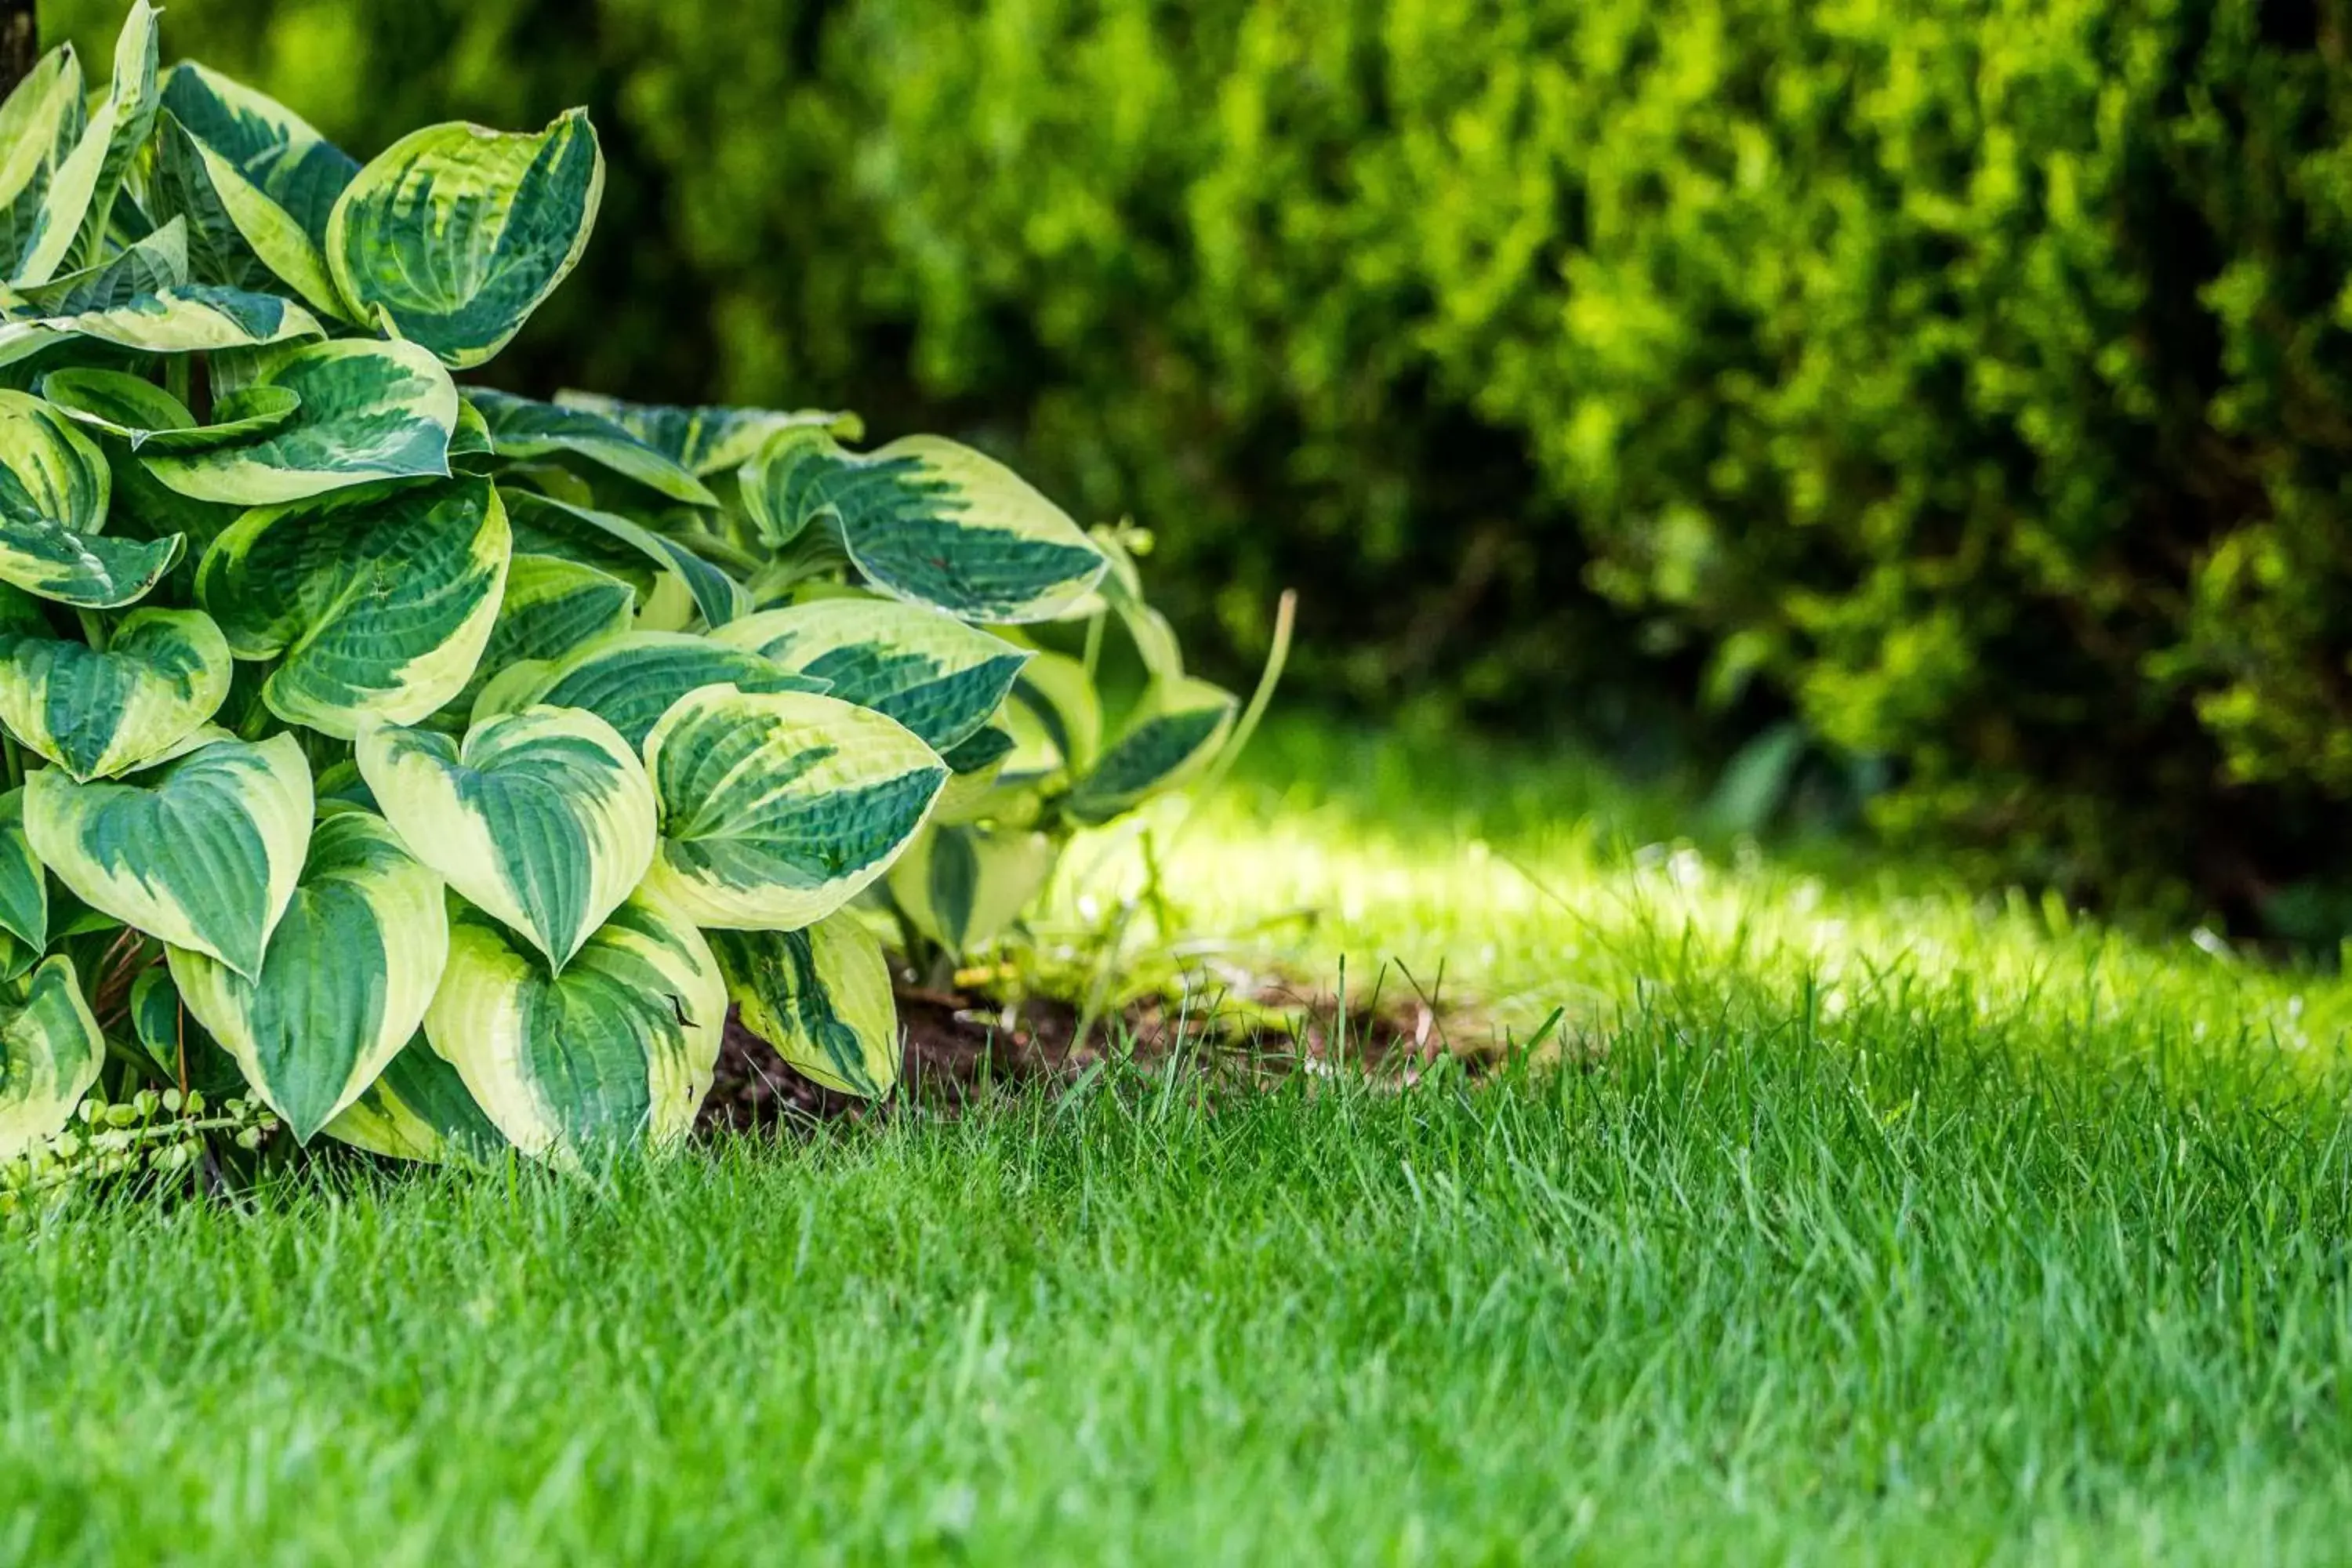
(780, 807)
(615, 1052)
(348, 971)
(545, 818)
(821, 997)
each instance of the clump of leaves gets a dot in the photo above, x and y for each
(435, 764)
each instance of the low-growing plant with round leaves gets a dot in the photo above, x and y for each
(433, 768)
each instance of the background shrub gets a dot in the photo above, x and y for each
(1967, 377)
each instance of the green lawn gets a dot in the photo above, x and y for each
(1870, 1221)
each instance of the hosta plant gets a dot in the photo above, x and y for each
(436, 764)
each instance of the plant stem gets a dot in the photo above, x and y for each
(1094, 642)
(1277, 656)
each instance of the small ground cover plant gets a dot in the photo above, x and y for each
(428, 767)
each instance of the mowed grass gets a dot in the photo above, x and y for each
(1827, 1221)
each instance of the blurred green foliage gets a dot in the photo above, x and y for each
(1971, 378)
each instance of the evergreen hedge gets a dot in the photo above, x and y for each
(1967, 378)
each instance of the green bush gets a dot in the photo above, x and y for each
(438, 764)
(1968, 377)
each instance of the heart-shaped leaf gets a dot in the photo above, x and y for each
(523, 428)
(150, 419)
(238, 235)
(376, 602)
(50, 1051)
(419, 1109)
(346, 979)
(616, 1050)
(367, 411)
(267, 144)
(710, 440)
(822, 997)
(631, 681)
(932, 673)
(1055, 719)
(23, 891)
(71, 223)
(927, 520)
(553, 607)
(544, 818)
(53, 488)
(140, 298)
(188, 318)
(203, 853)
(453, 235)
(780, 807)
(976, 792)
(964, 884)
(178, 1044)
(1171, 736)
(97, 712)
(40, 125)
(154, 261)
(719, 597)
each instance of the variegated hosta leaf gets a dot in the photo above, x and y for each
(780, 807)
(1154, 638)
(189, 318)
(932, 673)
(470, 444)
(238, 235)
(419, 1110)
(40, 125)
(1173, 736)
(150, 419)
(23, 891)
(368, 411)
(142, 508)
(523, 428)
(544, 525)
(631, 681)
(158, 260)
(980, 754)
(346, 979)
(376, 602)
(616, 1051)
(976, 769)
(709, 440)
(50, 1051)
(140, 298)
(67, 230)
(453, 235)
(553, 607)
(96, 712)
(669, 608)
(928, 520)
(203, 853)
(545, 818)
(53, 488)
(561, 524)
(965, 884)
(1055, 717)
(179, 1045)
(342, 785)
(265, 142)
(821, 997)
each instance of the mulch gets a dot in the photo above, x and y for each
(960, 1046)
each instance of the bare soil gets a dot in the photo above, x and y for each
(961, 1046)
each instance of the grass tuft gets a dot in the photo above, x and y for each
(1867, 1220)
